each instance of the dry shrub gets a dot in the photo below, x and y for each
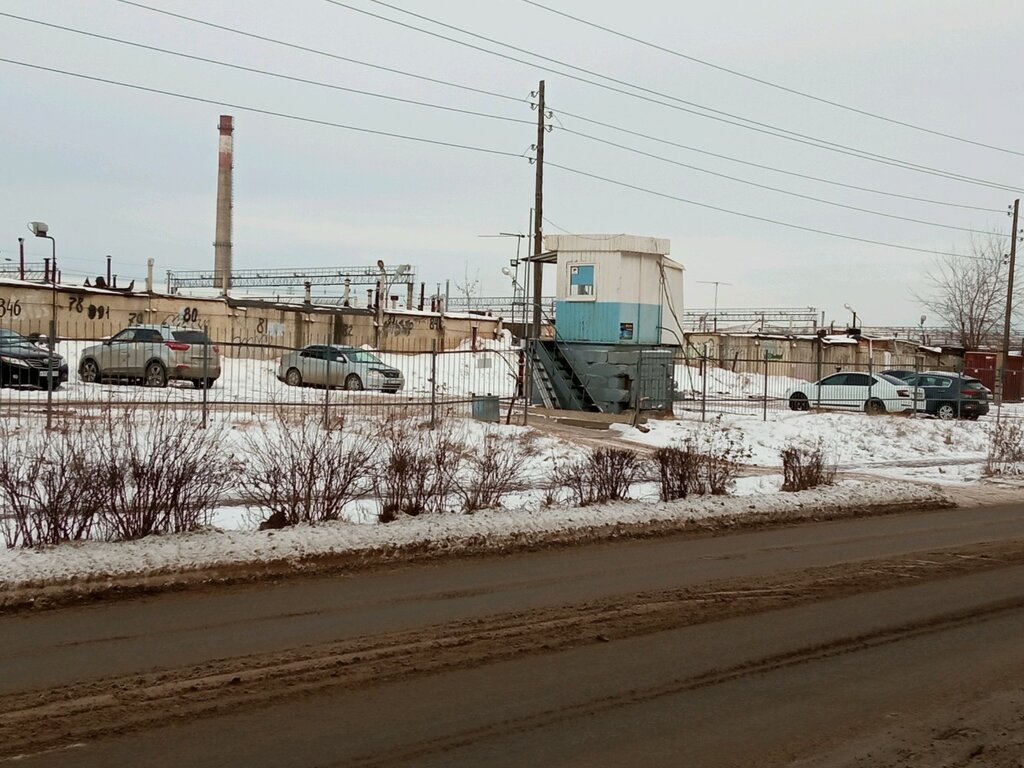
(48, 486)
(492, 468)
(806, 466)
(159, 472)
(679, 472)
(418, 466)
(1005, 448)
(304, 473)
(603, 474)
(706, 462)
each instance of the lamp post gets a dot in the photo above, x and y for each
(40, 229)
(514, 264)
(853, 312)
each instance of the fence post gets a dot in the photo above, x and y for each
(327, 391)
(433, 383)
(206, 375)
(764, 413)
(638, 406)
(704, 384)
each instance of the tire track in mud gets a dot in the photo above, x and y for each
(41, 720)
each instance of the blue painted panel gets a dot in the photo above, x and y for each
(609, 322)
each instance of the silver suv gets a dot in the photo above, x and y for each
(153, 355)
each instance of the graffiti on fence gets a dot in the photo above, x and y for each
(394, 326)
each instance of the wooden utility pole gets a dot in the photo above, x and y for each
(538, 215)
(1009, 302)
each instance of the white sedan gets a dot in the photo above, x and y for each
(852, 390)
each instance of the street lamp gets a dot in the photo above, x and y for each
(40, 229)
(853, 312)
(514, 273)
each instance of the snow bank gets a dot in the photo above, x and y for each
(492, 530)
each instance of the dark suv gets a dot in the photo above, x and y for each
(949, 395)
(23, 364)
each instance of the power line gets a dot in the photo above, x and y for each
(256, 110)
(276, 41)
(809, 177)
(754, 125)
(781, 191)
(266, 72)
(328, 54)
(769, 83)
(454, 145)
(333, 86)
(741, 214)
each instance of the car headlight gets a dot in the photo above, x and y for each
(13, 361)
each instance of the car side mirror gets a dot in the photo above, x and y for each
(107, 343)
(342, 359)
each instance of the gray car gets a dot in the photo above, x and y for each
(153, 355)
(332, 365)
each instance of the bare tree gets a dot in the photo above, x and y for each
(968, 290)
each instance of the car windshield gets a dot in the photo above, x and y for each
(891, 379)
(10, 338)
(361, 356)
(190, 337)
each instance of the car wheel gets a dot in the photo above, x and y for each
(353, 383)
(974, 416)
(874, 407)
(799, 402)
(293, 378)
(946, 411)
(156, 375)
(89, 371)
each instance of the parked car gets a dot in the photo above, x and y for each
(23, 364)
(950, 395)
(153, 355)
(855, 390)
(332, 365)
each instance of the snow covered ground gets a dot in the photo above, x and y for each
(885, 459)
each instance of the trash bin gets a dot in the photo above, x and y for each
(486, 408)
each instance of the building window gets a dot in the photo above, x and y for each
(581, 280)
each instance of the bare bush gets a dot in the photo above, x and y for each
(679, 471)
(158, 472)
(806, 466)
(303, 473)
(418, 467)
(493, 469)
(706, 462)
(48, 488)
(603, 474)
(1005, 448)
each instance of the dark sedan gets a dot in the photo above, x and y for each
(23, 364)
(950, 395)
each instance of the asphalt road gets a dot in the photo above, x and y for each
(759, 648)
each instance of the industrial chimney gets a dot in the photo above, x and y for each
(222, 243)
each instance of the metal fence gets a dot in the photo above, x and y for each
(251, 381)
(761, 386)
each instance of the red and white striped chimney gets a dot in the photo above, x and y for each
(222, 243)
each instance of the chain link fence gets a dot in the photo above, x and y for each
(99, 365)
(752, 386)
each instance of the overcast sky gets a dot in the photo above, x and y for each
(133, 174)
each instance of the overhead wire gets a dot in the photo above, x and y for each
(809, 177)
(770, 188)
(318, 52)
(455, 145)
(741, 214)
(719, 115)
(266, 72)
(769, 83)
(373, 94)
(257, 110)
(593, 121)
